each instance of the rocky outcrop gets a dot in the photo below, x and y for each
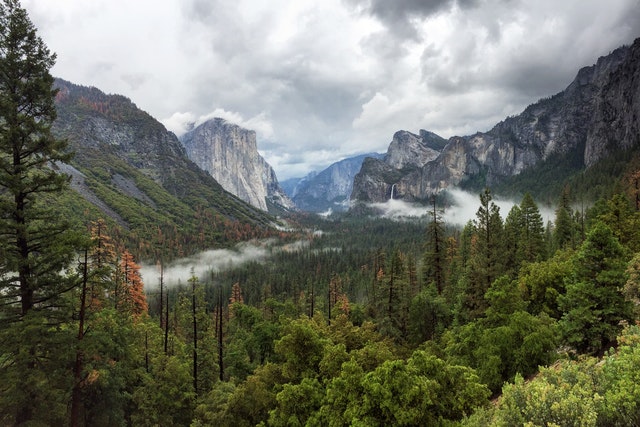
(230, 154)
(330, 188)
(408, 149)
(400, 168)
(597, 114)
(130, 166)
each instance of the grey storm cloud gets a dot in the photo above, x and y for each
(397, 15)
(321, 81)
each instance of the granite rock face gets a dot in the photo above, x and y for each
(330, 188)
(230, 154)
(133, 160)
(595, 115)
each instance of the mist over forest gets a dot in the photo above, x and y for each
(141, 292)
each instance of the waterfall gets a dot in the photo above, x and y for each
(393, 189)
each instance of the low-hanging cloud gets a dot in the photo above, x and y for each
(202, 264)
(461, 209)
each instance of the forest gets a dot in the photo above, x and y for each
(349, 320)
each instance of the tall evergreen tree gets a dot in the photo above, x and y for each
(434, 255)
(532, 244)
(524, 234)
(486, 262)
(594, 306)
(563, 235)
(513, 230)
(32, 245)
(35, 245)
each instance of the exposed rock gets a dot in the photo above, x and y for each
(408, 149)
(78, 183)
(230, 154)
(596, 114)
(124, 150)
(330, 188)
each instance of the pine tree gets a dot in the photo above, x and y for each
(563, 235)
(524, 234)
(102, 262)
(487, 255)
(434, 255)
(134, 296)
(594, 305)
(35, 245)
(513, 231)
(532, 244)
(33, 239)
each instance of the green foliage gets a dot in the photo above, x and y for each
(563, 398)
(33, 370)
(486, 261)
(593, 304)
(582, 392)
(424, 390)
(301, 347)
(620, 382)
(631, 289)
(296, 403)
(618, 214)
(166, 396)
(508, 341)
(36, 246)
(530, 232)
(434, 255)
(544, 282)
(429, 315)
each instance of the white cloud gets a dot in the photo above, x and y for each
(462, 208)
(179, 123)
(338, 76)
(203, 264)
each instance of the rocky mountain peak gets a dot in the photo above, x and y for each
(408, 149)
(594, 116)
(230, 154)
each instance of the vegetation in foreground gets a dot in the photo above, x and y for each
(508, 321)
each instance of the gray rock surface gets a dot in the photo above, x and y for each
(596, 114)
(230, 154)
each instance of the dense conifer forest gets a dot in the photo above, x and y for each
(349, 320)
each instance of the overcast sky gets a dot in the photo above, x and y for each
(328, 79)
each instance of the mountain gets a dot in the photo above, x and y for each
(128, 168)
(328, 189)
(595, 116)
(230, 154)
(290, 185)
(407, 153)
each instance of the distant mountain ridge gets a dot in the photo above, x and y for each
(230, 154)
(594, 116)
(328, 189)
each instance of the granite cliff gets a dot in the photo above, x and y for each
(132, 169)
(594, 116)
(230, 154)
(329, 188)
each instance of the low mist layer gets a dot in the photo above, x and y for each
(463, 208)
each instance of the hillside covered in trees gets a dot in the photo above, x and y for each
(352, 320)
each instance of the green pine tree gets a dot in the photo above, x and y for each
(434, 255)
(487, 255)
(36, 246)
(594, 305)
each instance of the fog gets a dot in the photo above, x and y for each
(215, 260)
(462, 209)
